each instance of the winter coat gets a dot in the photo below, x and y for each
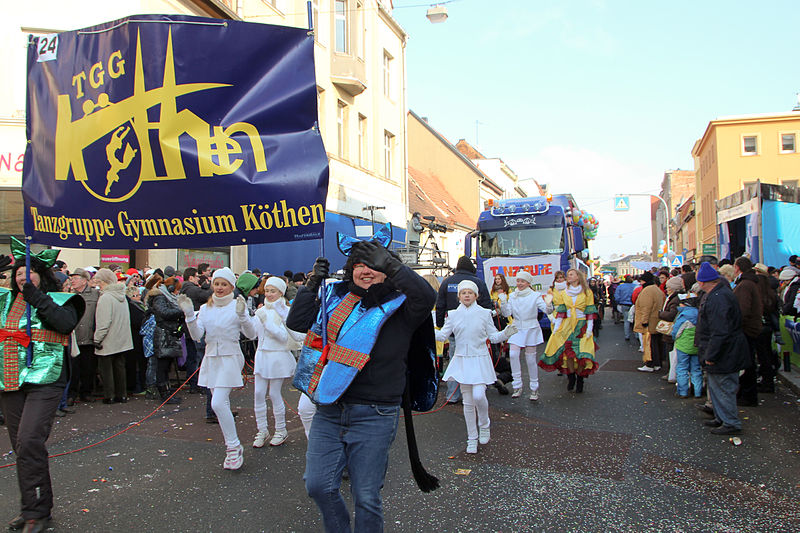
(669, 313)
(112, 321)
(221, 326)
(197, 295)
(624, 293)
(382, 380)
(648, 304)
(719, 331)
(683, 330)
(84, 331)
(169, 326)
(447, 298)
(472, 326)
(137, 312)
(524, 308)
(789, 296)
(750, 304)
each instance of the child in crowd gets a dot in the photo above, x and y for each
(221, 320)
(274, 362)
(688, 367)
(524, 305)
(471, 366)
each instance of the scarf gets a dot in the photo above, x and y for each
(520, 293)
(222, 301)
(560, 285)
(171, 297)
(574, 290)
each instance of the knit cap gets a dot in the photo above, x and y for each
(226, 274)
(246, 282)
(707, 273)
(468, 285)
(276, 282)
(525, 276)
(675, 283)
(787, 274)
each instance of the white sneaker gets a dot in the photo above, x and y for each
(645, 368)
(517, 393)
(484, 437)
(656, 368)
(279, 438)
(472, 446)
(261, 439)
(534, 395)
(641, 349)
(234, 458)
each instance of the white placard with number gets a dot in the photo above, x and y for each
(47, 47)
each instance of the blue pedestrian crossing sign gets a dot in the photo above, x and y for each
(677, 261)
(622, 203)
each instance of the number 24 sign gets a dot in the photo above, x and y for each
(47, 47)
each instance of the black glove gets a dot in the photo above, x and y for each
(320, 272)
(33, 295)
(376, 257)
(5, 262)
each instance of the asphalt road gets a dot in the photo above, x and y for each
(623, 456)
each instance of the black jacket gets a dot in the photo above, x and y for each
(383, 378)
(169, 326)
(788, 299)
(447, 298)
(197, 295)
(719, 331)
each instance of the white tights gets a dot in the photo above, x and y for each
(273, 387)
(474, 399)
(516, 366)
(221, 404)
(306, 410)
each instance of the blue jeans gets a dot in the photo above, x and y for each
(722, 389)
(358, 437)
(688, 367)
(624, 309)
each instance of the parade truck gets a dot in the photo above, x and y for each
(541, 235)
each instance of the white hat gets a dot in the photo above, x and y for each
(226, 274)
(276, 282)
(787, 274)
(524, 276)
(467, 284)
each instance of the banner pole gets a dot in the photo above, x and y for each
(310, 16)
(29, 352)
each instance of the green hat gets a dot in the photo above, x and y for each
(46, 257)
(246, 282)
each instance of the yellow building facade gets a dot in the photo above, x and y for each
(737, 151)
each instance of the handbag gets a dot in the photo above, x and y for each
(664, 327)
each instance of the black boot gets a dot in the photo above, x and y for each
(164, 393)
(570, 381)
(579, 385)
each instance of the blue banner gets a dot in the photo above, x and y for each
(166, 131)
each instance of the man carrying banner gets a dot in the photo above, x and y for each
(32, 390)
(373, 316)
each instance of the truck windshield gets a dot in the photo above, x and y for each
(509, 243)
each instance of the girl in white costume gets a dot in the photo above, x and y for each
(524, 305)
(472, 365)
(221, 320)
(274, 362)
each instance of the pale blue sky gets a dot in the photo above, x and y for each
(596, 97)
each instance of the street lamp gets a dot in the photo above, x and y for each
(437, 14)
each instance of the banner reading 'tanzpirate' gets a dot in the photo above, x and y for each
(173, 131)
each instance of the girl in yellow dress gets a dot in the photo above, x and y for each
(571, 347)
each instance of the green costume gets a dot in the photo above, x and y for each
(48, 346)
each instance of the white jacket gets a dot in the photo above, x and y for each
(524, 308)
(471, 326)
(273, 335)
(221, 326)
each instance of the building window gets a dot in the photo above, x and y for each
(388, 153)
(749, 145)
(362, 141)
(340, 23)
(789, 183)
(387, 74)
(787, 143)
(341, 129)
